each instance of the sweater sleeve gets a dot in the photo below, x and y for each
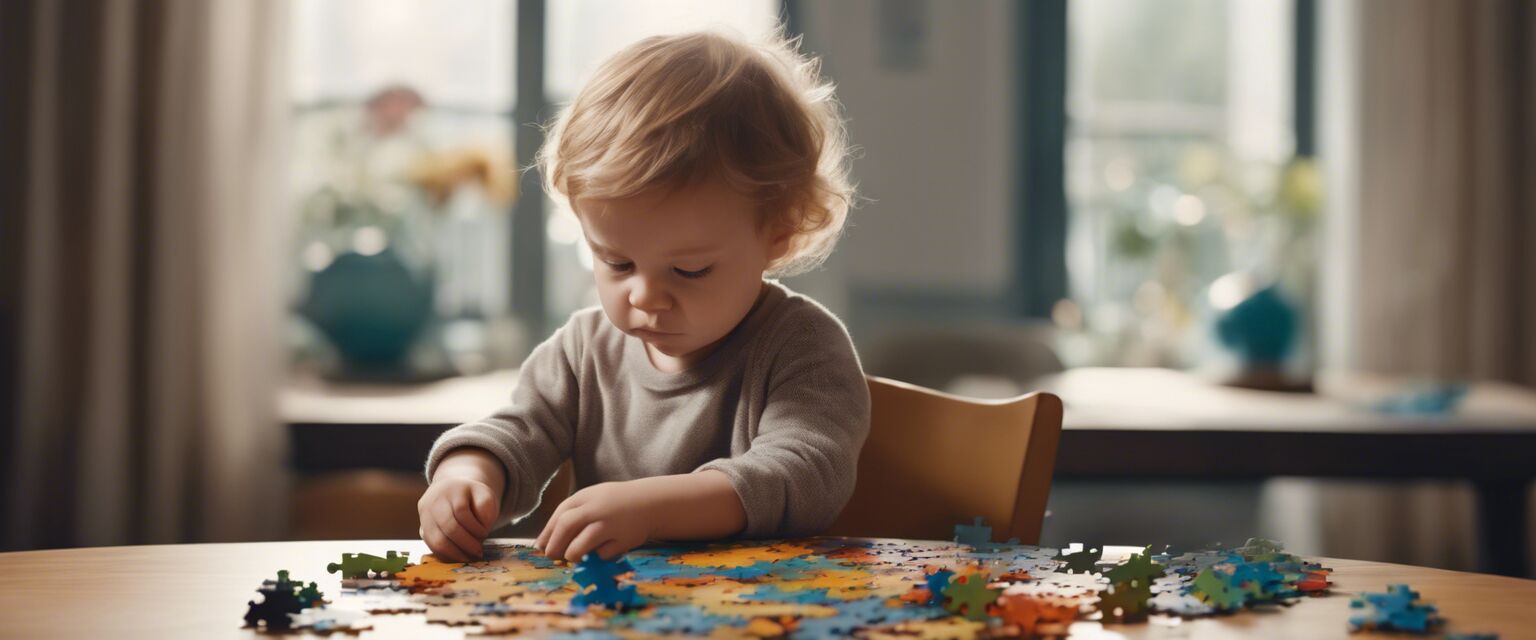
(799, 471)
(533, 435)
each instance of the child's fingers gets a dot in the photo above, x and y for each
(589, 539)
(549, 527)
(487, 507)
(563, 531)
(559, 510)
(441, 546)
(464, 512)
(612, 549)
(449, 525)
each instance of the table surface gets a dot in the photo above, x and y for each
(1169, 400)
(1095, 398)
(200, 591)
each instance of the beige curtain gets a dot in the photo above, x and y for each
(1447, 189)
(1431, 150)
(150, 212)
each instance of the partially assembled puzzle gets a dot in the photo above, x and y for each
(814, 587)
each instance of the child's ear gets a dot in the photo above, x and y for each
(778, 244)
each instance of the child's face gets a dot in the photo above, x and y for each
(678, 270)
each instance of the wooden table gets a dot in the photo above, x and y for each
(200, 591)
(1120, 423)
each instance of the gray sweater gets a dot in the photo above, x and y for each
(780, 407)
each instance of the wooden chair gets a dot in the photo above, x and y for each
(934, 460)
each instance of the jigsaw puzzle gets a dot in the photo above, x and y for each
(813, 587)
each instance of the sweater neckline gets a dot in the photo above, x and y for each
(729, 350)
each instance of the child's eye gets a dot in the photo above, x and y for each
(619, 266)
(693, 274)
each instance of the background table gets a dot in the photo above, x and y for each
(1127, 423)
(201, 591)
(1119, 424)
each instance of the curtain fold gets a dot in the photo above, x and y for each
(150, 222)
(1433, 163)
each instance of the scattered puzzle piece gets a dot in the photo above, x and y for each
(1032, 615)
(1085, 561)
(363, 565)
(1398, 609)
(279, 601)
(1137, 569)
(979, 535)
(1215, 588)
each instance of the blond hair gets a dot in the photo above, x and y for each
(669, 111)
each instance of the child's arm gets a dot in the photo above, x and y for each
(799, 471)
(516, 451)
(614, 517)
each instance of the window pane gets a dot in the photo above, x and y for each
(402, 181)
(583, 33)
(456, 52)
(1179, 124)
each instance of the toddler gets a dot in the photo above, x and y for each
(703, 399)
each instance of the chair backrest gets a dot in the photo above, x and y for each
(934, 460)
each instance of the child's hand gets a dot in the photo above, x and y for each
(460, 508)
(609, 518)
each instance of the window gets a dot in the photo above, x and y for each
(404, 174)
(1180, 127)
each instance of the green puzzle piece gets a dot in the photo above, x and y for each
(969, 595)
(358, 565)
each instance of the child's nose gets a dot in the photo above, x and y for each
(647, 295)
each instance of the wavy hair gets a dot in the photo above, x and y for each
(669, 111)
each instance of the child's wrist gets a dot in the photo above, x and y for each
(472, 463)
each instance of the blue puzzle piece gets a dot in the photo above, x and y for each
(938, 581)
(979, 535)
(1395, 610)
(975, 534)
(593, 569)
(599, 577)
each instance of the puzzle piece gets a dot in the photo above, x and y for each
(969, 595)
(310, 596)
(1398, 609)
(392, 563)
(979, 535)
(353, 565)
(1261, 581)
(1215, 588)
(1085, 561)
(938, 581)
(1125, 601)
(599, 578)
(331, 620)
(1031, 615)
(364, 565)
(1137, 570)
(279, 600)
(975, 534)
